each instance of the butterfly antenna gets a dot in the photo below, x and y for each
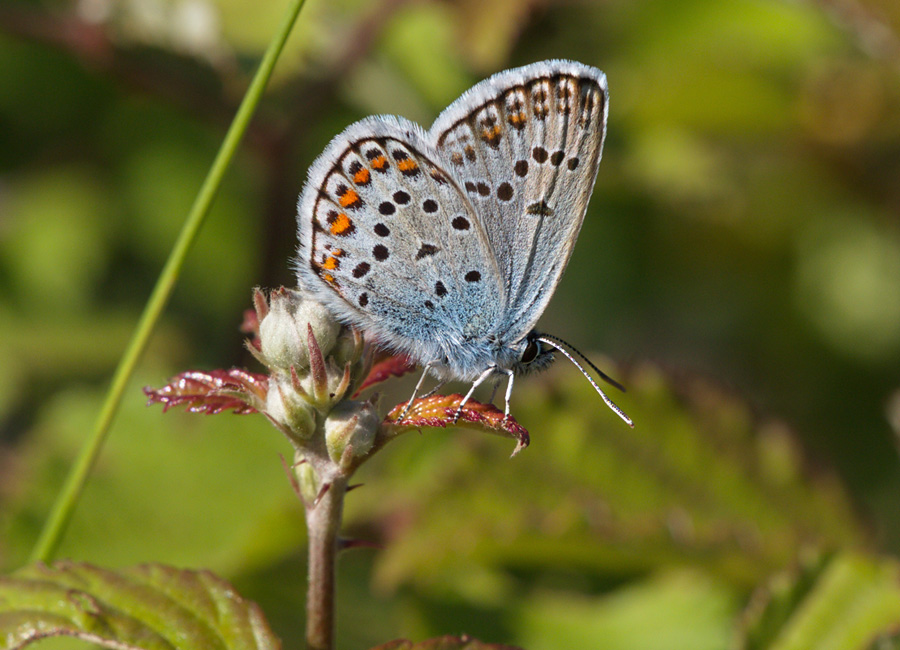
(558, 343)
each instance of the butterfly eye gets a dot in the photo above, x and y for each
(532, 350)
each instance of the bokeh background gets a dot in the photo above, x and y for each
(739, 270)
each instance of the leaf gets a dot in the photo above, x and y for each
(847, 601)
(213, 392)
(444, 643)
(441, 411)
(148, 606)
(385, 368)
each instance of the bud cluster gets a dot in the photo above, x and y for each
(315, 364)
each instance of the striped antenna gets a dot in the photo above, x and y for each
(556, 343)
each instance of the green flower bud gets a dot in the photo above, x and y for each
(349, 348)
(350, 431)
(283, 333)
(289, 408)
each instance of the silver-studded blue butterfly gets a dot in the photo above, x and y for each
(447, 245)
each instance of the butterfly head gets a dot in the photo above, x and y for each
(536, 355)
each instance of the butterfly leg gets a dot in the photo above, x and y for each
(434, 389)
(509, 385)
(416, 392)
(475, 384)
(494, 390)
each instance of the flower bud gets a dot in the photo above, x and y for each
(349, 348)
(289, 408)
(350, 431)
(283, 332)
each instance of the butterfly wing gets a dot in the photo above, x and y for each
(390, 243)
(525, 145)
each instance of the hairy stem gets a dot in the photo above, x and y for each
(323, 521)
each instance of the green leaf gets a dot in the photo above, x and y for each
(148, 606)
(843, 602)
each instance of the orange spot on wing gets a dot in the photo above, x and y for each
(407, 165)
(330, 264)
(361, 177)
(380, 163)
(328, 278)
(349, 198)
(341, 224)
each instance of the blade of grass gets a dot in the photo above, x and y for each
(60, 515)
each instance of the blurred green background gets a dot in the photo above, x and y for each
(739, 266)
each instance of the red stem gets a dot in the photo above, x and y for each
(323, 521)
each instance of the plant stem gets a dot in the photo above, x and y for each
(323, 522)
(58, 520)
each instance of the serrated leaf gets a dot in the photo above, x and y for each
(443, 411)
(444, 643)
(147, 607)
(844, 602)
(212, 392)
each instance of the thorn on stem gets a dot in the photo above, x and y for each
(322, 492)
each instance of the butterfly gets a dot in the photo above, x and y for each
(446, 245)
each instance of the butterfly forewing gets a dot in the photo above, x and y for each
(525, 146)
(387, 231)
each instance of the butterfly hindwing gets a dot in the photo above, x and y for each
(525, 145)
(389, 242)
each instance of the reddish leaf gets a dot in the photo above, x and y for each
(213, 392)
(389, 365)
(440, 411)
